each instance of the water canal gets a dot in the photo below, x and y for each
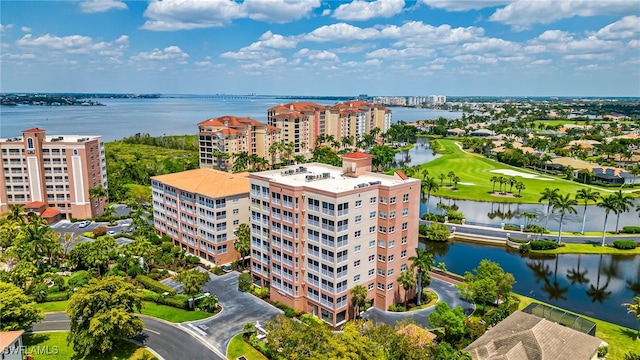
(594, 285)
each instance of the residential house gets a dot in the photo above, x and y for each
(11, 347)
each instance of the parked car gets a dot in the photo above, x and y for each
(111, 232)
(84, 223)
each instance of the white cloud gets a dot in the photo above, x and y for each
(26, 56)
(75, 44)
(365, 10)
(25, 29)
(271, 40)
(418, 34)
(625, 28)
(263, 48)
(541, 62)
(588, 57)
(400, 53)
(340, 32)
(464, 5)
(316, 55)
(170, 53)
(4, 28)
(279, 11)
(96, 6)
(524, 13)
(562, 42)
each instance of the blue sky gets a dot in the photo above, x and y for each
(315, 47)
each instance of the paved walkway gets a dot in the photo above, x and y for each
(446, 291)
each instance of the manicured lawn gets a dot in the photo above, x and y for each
(476, 169)
(620, 339)
(163, 312)
(53, 346)
(237, 347)
(588, 249)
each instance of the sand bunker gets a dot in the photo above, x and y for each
(466, 183)
(510, 172)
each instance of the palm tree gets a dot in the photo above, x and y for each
(16, 213)
(623, 204)
(520, 186)
(242, 243)
(358, 298)
(210, 303)
(564, 204)
(549, 196)
(503, 181)
(494, 179)
(427, 186)
(441, 177)
(241, 162)
(450, 175)
(407, 281)
(456, 180)
(608, 203)
(597, 293)
(577, 276)
(512, 181)
(587, 195)
(423, 261)
(634, 308)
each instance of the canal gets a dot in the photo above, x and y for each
(594, 285)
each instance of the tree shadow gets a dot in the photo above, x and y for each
(626, 332)
(36, 339)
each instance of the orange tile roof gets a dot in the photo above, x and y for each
(232, 121)
(50, 212)
(229, 132)
(290, 114)
(357, 155)
(34, 204)
(272, 128)
(401, 175)
(8, 337)
(33, 130)
(208, 182)
(298, 106)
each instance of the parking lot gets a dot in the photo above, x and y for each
(66, 226)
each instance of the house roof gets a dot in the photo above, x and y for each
(401, 174)
(8, 337)
(578, 164)
(50, 212)
(34, 205)
(417, 336)
(33, 130)
(357, 155)
(208, 182)
(298, 106)
(231, 121)
(522, 336)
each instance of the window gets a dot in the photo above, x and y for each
(356, 278)
(372, 215)
(405, 212)
(356, 263)
(370, 287)
(405, 226)
(404, 240)
(382, 258)
(358, 233)
(403, 267)
(382, 215)
(405, 198)
(392, 215)
(30, 143)
(381, 286)
(392, 229)
(236, 211)
(382, 243)
(358, 203)
(371, 272)
(392, 243)
(390, 286)
(372, 243)
(392, 200)
(389, 272)
(383, 229)
(403, 254)
(372, 229)
(372, 200)
(383, 200)
(236, 222)
(371, 258)
(357, 248)
(391, 258)
(381, 272)
(358, 218)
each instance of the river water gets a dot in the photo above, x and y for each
(594, 285)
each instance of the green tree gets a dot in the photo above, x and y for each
(623, 204)
(192, 281)
(102, 312)
(587, 195)
(16, 213)
(423, 262)
(17, 312)
(98, 253)
(209, 303)
(407, 280)
(429, 185)
(358, 298)
(37, 242)
(289, 339)
(245, 282)
(520, 186)
(634, 308)
(548, 195)
(240, 162)
(451, 175)
(382, 156)
(448, 321)
(564, 204)
(98, 192)
(242, 244)
(494, 179)
(443, 176)
(607, 203)
(486, 283)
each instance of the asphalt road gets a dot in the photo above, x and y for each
(238, 309)
(168, 340)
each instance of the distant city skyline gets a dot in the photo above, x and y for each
(311, 47)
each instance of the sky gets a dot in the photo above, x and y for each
(317, 47)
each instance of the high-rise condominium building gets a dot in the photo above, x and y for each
(319, 230)
(300, 122)
(200, 210)
(221, 138)
(357, 118)
(52, 175)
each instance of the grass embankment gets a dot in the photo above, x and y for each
(53, 346)
(477, 170)
(588, 249)
(163, 312)
(237, 347)
(620, 339)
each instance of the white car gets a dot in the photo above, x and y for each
(111, 232)
(84, 223)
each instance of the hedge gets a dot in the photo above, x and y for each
(59, 296)
(177, 301)
(543, 245)
(631, 229)
(624, 244)
(154, 285)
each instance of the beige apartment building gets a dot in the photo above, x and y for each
(52, 175)
(357, 118)
(221, 138)
(319, 230)
(200, 210)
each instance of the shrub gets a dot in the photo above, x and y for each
(397, 307)
(438, 232)
(512, 227)
(193, 259)
(422, 229)
(175, 302)
(524, 248)
(79, 279)
(310, 319)
(603, 351)
(244, 282)
(288, 311)
(73, 220)
(59, 296)
(99, 231)
(261, 292)
(154, 286)
(631, 229)
(135, 270)
(543, 245)
(624, 244)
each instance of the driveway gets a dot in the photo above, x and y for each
(239, 308)
(446, 291)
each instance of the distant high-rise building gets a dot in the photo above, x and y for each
(320, 230)
(52, 175)
(436, 99)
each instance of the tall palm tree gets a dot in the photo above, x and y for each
(16, 213)
(634, 308)
(503, 181)
(586, 195)
(564, 204)
(358, 298)
(240, 162)
(623, 204)
(520, 186)
(450, 175)
(407, 281)
(494, 179)
(549, 196)
(512, 181)
(427, 186)
(242, 244)
(423, 261)
(441, 177)
(607, 203)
